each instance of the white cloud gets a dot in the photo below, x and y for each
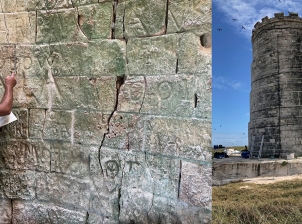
(248, 12)
(225, 83)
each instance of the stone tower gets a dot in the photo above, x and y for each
(276, 91)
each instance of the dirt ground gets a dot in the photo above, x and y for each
(270, 180)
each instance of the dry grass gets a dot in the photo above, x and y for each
(274, 203)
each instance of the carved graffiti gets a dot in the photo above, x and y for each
(112, 168)
(165, 90)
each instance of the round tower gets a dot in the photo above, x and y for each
(276, 91)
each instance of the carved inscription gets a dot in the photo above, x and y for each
(26, 155)
(156, 55)
(112, 168)
(165, 90)
(19, 128)
(179, 137)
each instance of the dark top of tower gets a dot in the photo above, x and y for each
(279, 18)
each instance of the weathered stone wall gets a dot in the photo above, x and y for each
(225, 173)
(276, 85)
(114, 111)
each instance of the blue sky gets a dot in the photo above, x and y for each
(232, 57)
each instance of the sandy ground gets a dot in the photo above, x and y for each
(270, 180)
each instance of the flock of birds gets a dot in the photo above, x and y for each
(242, 27)
(220, 126)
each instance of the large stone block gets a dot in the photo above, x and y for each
(85, 93)
(140, 18)
(93, 59)
(134, 180)
(90, 127)
(9, 6)
(5, 211)
(152, 55)
(196, 184)
(58, 125)
(125, 131)
(17, 184)
(193, 58)
(54, 125)
(164, 173)
(186, 15)
(95, 20)
(58, 26)
(104, 200)
(184, 138)
(29, 212)
(63, 190)
(24, 155)
(17, 27)
(169, 95)
(69, 159)
(158, 95)
(33, 5)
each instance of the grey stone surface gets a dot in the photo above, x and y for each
(26, 155)
(25, 212)
(95, 20)
(17, 184)
(140, 18)
(5, 211)
(152, 55)
(22, 30)
(113, 102)
(58, 26)
(188, 14)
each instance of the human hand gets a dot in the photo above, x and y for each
(10, 81)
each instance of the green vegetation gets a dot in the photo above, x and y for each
(284, 163)
(252, 203)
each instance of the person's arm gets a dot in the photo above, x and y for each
(7, 99)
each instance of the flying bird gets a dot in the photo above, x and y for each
(242, 27)
(219, 29)
(243, 133)
(234, 19)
